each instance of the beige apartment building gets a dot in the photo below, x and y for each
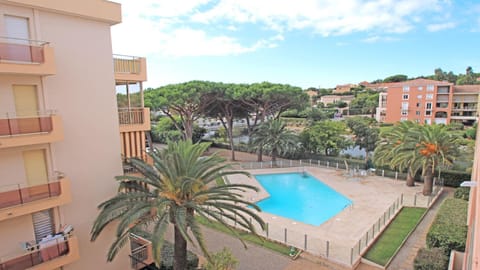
(428, 101)
(61, 134)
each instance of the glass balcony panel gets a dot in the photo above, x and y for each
(20, 50)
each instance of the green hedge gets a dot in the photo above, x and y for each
(449, 229)
(462, 193)
(430, 259)
(454, 178)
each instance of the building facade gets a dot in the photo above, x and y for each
(59, 131)
(428, 101)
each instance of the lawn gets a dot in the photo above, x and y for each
(394, 235)
(248, 237)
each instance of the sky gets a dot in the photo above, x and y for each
(305, 43)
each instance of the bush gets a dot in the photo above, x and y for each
(222, 260)
(430, 259)
(454, 178)
(449, 229)
(462, 193)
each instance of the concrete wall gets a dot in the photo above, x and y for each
(83, 93)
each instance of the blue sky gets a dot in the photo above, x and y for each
(306, 43)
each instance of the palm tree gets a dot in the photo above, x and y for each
(394, 150)
(412, 146)
(274, 138)
(435, 146)
(178, 186)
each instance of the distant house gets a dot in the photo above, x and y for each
(343, 88)
(312, 94)
(329, 99)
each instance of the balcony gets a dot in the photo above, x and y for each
(48, 255)
(26, 57)
(45, 127)
(129, 68)
(134, 119)
(443, 90)
(18, 200)
(141, 252)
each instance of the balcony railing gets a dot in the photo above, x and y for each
(126, 64)
(131, 116)
(141, 252)
(20, 199)
(39, 122)
(22, 50)
(14, 195)
(443, 90)
(46, 251)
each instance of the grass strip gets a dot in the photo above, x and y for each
(391, 239)
(248, 237)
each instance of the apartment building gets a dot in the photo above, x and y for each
(465, 104)
(472, 248)
(61, 135)
(428, 101)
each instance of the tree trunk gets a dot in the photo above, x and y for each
(230, 138)
(428, 181)
(274, 158)
(180, 251)
(260, 154)
(410, 178)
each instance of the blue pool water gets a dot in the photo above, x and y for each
(300, 197)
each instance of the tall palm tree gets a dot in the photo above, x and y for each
(274, 138)
(413, 146)
(179, 185)
(435, 146)
(394, 150)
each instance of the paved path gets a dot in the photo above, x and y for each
(417, 240)
(253, 258)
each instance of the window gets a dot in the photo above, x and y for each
(428, 121)
(428, 105)
(418, 105)
(403, 119)
(406, 88)
(404, 113)
(430, 87)
(428, 113)
(405, 97)
(417, 113)
(420, 96)
(420, 88)
(429, 96)
(404, 105)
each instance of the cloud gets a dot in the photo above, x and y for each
(435, 27)
(375, 39)
(325, 17)
(223, 27)
(190, 42)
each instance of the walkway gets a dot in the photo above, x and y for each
(417, 240)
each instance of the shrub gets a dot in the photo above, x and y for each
(462, 193)
(449, 229)
(222, 260)
(430, 259)
(454, 178)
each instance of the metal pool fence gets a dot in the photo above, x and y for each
(340, 253)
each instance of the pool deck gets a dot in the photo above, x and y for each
(371, 197)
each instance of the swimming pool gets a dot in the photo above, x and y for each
(300, 197)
